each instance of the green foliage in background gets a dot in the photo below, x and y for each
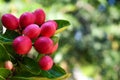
(93, 40)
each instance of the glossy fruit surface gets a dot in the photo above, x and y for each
(22, 45)
(32, 31)
(46, 63)
(54, 22)
(40, 16)
(10, 21)
(48, 29)
(54, 48)
(26, 19)
(43, 45)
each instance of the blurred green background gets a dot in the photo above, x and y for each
(90, 48)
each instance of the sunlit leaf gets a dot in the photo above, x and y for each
(4, 73)
(60, 30)
(62, 23)
(41, 78)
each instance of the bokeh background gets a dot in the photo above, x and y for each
(90, 48)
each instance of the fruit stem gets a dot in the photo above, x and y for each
(38, 57)
(8, 43)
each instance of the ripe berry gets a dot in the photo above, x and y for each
(32, 31)
(48, 29)
(56, 25)
(8, 65)
(43, 45)
(54, 48)
(46, 63)
(40, 16)
(22, 45)
(26, 19)
(10, 21)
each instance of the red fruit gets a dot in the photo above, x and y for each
(10, 21)
(56, 25)
(46, 63)
(8, 65)
(40, 16)
(54, 48)
(32, 31)
(48, 29)
(43, 45)
(22, 45)
(26, 19)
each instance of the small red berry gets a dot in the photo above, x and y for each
(43, 45)
(46, 63)
(48, 29)
(22, 45)
(54, 48)
(8, 65)
(32, 31)
(40, 16)
(10, 21)
(26, 19)
(56, 25)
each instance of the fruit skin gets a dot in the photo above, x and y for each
(54, 48)
(22, 45)
(46, 63)
(48, 29)
(43, 45)
(26, 19)
(10, 21)
(56, 25)
(32, 31)
(40, 16)
(8, 65)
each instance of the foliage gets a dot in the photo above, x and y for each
(92, 40)
(26, 68)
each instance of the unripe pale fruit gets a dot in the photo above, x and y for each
(48, 29)
(54, 48)
(26, 19)
(40, 16)
(10, 21)
(32, 31)
(46, 63)
(43, 45)
(22, 45)
(8, 65)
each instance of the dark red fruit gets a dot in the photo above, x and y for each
(32, 31)
(22, 45)
(10, 21)
(46, 63)
(48, 29)
(43, 45)
(54, 48)
(26, 19)
(8, 65)
(40, 16)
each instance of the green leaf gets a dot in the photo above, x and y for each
(40, 78)
(3, 54)
(1, 29)
(4, 73)
(8, 36)
(11, 51)
(62, 23)
(60, 30)
(30, 66)
(55, 72)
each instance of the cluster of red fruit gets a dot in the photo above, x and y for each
(33, 28)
